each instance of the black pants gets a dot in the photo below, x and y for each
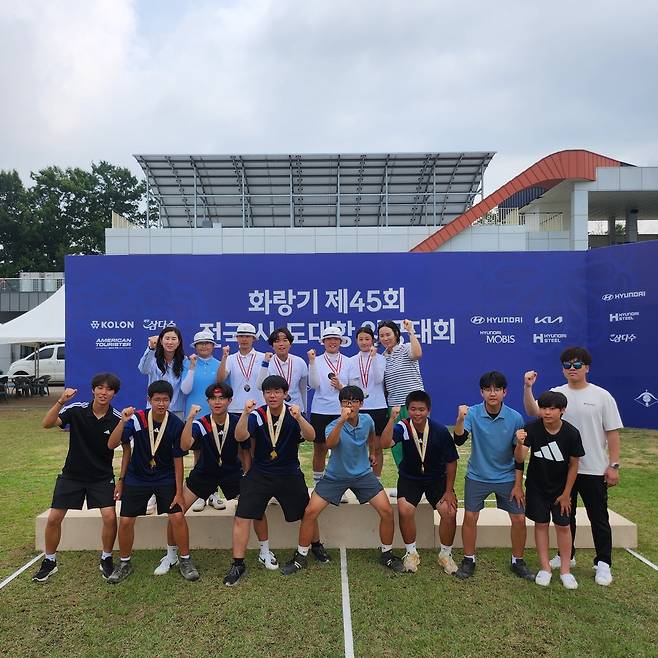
(594, 493)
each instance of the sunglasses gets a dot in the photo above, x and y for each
(567, 365)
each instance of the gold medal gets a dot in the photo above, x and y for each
(152, 463)
(421, 443)
(273, 454)
(220, 438)
(274, 429)
(155, 443)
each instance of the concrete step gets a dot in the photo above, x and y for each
(350, 525)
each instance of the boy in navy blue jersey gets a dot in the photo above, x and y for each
(87, 472)
(221, 463)
(555, 449)
(276, 431)
(351, 438)
(155, 468)
(428, 466)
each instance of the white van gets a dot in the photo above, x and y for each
(51, 362)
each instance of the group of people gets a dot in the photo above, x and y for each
(244, 417)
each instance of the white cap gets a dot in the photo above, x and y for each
(246, 329)
(331, 332)
(204, 336)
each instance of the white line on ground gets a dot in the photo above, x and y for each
(642, 559)
(347, 612)
(6, 581)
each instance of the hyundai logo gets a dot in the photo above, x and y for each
(607, 297)
(477, 319)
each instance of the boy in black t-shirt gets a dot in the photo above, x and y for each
(276, 430)
(155, 468)
(555, 449)
(87, 472)
(428, 466)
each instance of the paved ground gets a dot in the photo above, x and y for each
(34, 402)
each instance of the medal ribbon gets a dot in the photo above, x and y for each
(421, 445)
(279, 367)
(155, 443)
(365, 372)
(246, 372)
(215, 433)
(274, 434)
(339, 364)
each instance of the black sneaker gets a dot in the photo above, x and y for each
(297, 563)
(121, 572)
(320, 553)
(520, 568)
(234, 574)
(392, 562)
(48, 568)
(466, 569)
(187, 569)
(106, 567)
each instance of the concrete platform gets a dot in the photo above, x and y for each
(350, 525)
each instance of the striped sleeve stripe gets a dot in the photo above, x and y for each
(84, 405)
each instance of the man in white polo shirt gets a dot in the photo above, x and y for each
(593, 412)
(242, 368)
(327, 374)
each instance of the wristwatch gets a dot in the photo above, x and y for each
(615, 466)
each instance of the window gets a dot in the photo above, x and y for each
(61, 352)
(46, 352)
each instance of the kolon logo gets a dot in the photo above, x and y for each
(95, 324)
(549, 319)
(112, 324)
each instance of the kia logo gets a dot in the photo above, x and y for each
(607, 297)
(477, 319)
(548, 319)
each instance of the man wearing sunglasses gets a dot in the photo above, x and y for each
(593, 411)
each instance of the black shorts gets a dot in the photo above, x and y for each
(70, 494)
(412, 490)
(134, 499)
(257, 488)
(540, 509)
(379, 416)
(202, 486)
(319, 423)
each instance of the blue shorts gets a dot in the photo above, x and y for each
(365, 488)
(475, 493)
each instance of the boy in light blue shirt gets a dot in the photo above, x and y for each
(351, 438)
(491, 469)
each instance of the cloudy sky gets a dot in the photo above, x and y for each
(90, 80)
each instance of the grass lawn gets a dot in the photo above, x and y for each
(426, 614)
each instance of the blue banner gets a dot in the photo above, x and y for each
(473, 312)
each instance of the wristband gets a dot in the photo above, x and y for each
(519, 466)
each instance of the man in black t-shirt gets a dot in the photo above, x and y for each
(276, 431)
(555, 449)
(87, 472)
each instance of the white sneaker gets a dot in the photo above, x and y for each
(448, 564)
(411, 562)
(216, 502)
(556, 562)
(569, 581)
(603, 574)
(164, 566)
(151, 506)
(543, 578)
(269, 561)
(198, 505)
(344, 499)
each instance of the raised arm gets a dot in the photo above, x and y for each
(264, 369)
(334, 436)
(148, 358)
(308, 433)
(416, 350)
(186, 439)
(242, 427)
(188, 381)
(222, 371)
(51, 419)
(386, 439)
(458, 434)
(115, 438)
(313, 377)
(303, 391)
(529, 402)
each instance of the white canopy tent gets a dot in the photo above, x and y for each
(42, 324)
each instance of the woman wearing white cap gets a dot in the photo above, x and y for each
(327, 374)
(199, 371)
(242, 368)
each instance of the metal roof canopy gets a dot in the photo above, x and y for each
(265, 191)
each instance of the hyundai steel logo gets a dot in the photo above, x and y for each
(477, 319)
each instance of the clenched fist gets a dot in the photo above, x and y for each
(520, 437)
(295, 411)
(153, 341)
(395, 412)
(408, 326)
(462, 410)
(67, 395)
(249, 406)
(311, 356)
(192, 358)
(267, 356)
(529, 378)
(194, 410)
(226, 350)
(127, 413)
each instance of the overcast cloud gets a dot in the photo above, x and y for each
(88, 80)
